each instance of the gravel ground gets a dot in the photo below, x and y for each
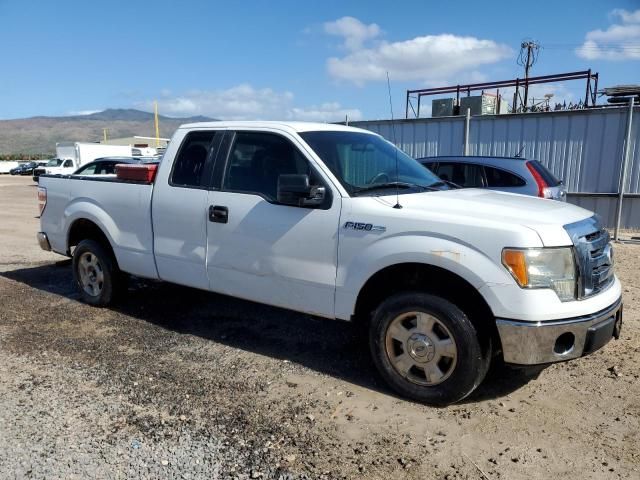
(176, 383)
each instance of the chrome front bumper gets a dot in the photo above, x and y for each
(43, 241)
(533, 343)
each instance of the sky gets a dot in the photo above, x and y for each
(295, 60)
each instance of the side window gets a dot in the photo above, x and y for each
(106, 168)
(431, 166)
(496, 177)
(463, 174)
(68, 163)
(88, 170)
(189, 166)
(109, 168)
(256, 160)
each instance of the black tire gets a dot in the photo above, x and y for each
(466, 372)
(113, 281)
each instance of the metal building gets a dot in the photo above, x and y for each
(137, 140)
(584, 148)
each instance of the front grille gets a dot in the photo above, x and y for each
(594, 256)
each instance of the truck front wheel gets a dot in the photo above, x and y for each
(427, 349)
(95, 273)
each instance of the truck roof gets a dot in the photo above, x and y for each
(283, 125)
(471, 157)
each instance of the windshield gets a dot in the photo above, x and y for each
(364, 162)
(54, 162)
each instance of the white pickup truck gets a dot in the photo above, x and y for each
(73, 155)
(337, 222)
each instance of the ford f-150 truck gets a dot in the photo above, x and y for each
(339, 223)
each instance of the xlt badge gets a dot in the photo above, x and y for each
(367, 227)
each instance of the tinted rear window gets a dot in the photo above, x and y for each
(496, 177)
(464, 174)
(189, 165)
(545, 173)
(429, 165)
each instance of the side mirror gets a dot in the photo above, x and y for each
(294, 189)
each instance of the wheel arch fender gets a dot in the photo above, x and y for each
(84, 213)
(442, 255)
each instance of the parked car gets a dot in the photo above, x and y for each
(337, 222)
(104, 166)
(51, 164)
(24, 169)
(505, 174)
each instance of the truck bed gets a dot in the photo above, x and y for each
(121, 209)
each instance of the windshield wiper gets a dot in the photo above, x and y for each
(442, 183)
(388, 185)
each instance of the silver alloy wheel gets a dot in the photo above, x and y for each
(421, 348)
(91, 274)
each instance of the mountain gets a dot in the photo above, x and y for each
(40, 134)
(133, 115)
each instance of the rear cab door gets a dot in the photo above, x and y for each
(179, 207)
(263, 250)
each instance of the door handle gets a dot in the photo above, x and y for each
(218, 214)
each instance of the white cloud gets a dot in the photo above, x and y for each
(327, 112)
(244, 102)
(626, 16)
(353, 31)
(430, 58)
(621, 41)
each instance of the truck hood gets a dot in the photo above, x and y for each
(545, 217)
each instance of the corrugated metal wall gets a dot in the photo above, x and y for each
(582, 147)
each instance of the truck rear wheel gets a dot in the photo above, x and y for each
(427, 349)
(95, 273)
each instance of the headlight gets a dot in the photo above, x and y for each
(543, 268)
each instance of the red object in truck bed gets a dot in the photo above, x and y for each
(143, 173)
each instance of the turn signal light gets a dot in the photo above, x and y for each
(515, 261)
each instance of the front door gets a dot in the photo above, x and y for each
(262, 250)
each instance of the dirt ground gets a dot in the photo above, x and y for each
(178, 383)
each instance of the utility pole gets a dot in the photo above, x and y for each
(527, 58)
(623, 170)
(155, 108)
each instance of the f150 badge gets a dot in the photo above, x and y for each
(367, 227)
